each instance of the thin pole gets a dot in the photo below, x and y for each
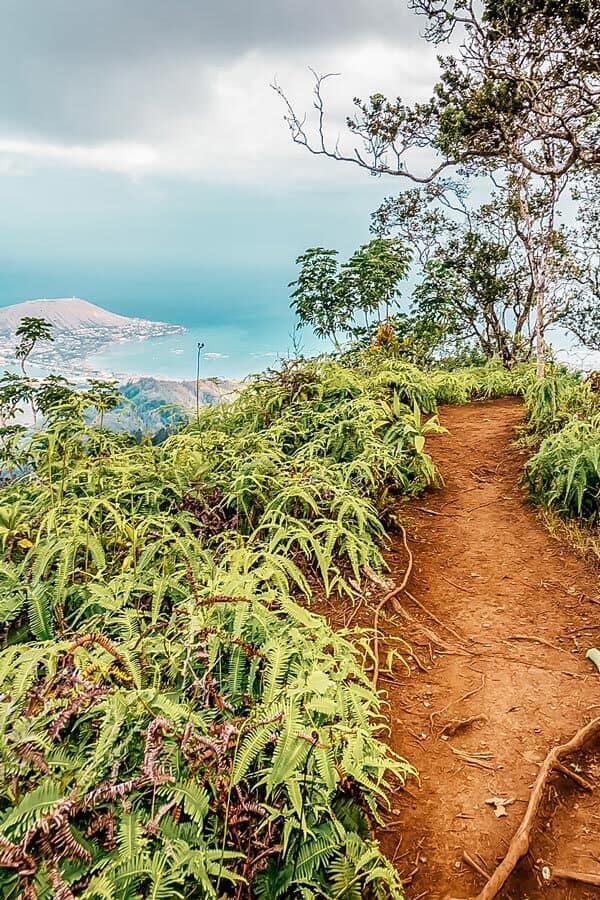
(200, 348)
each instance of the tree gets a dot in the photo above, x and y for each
(30, 330)
(369, 279)
(316, 298)
(476, 266)
(524, 86)
(103, 396)
(584, 321)
(521, 92)
(14, 390)
(329, 297)
(521, 89)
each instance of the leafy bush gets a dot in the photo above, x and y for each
(565, 472)
(174, 724)
(225, 743)
(553, 401)
(486, 382)
(564, 425)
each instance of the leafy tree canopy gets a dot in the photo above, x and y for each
(476, 286)
(330, 297)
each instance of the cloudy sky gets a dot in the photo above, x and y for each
(144, 161)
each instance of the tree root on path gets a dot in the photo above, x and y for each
(392, 596)
(521, 841)
(457, 725)
(583, 877)
(536, 640)
(439, 622)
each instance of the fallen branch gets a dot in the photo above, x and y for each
(521, 841)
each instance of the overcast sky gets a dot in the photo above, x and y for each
(141, 144)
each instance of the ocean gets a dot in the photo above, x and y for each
(229, 352)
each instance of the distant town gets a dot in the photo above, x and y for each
(80, 328)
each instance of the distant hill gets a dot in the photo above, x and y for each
(65, 313)
(72, 313)
(152, 404)
(183, 393)
(80, 329)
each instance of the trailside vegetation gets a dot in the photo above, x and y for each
(564, 419)
(175, 722)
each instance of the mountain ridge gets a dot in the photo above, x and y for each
(80, 330)
(67, 313)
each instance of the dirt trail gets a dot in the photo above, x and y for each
(526, 609)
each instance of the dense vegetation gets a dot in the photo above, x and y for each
(174, 722)
(564, 417)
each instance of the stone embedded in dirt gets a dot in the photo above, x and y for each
(593, 655)
(533, 756)
(500, 804)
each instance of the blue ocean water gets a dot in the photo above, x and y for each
(229, 352)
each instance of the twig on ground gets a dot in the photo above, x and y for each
(432, 512)
(460, 699)
(417, 661)
(474, 864)
(389, 596)
(459, 587)
(489, 503)
(536, 640)
(456, 725)
(521, 841)
(353, 614)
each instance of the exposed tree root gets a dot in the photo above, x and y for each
(458, 725)
(521, 841)
(537, 640)
(474, 864)
(583, 877)
(435, 619)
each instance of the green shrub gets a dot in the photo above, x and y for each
(484, 382)
(565, 472)
(173, 723)
(554, 400)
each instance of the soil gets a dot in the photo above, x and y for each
(516, 612)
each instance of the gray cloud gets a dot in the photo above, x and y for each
(181, 87)
(88, 69)
(84, 31)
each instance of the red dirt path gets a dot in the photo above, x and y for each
(526, 609)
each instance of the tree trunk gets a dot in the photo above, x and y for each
(540, 349)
